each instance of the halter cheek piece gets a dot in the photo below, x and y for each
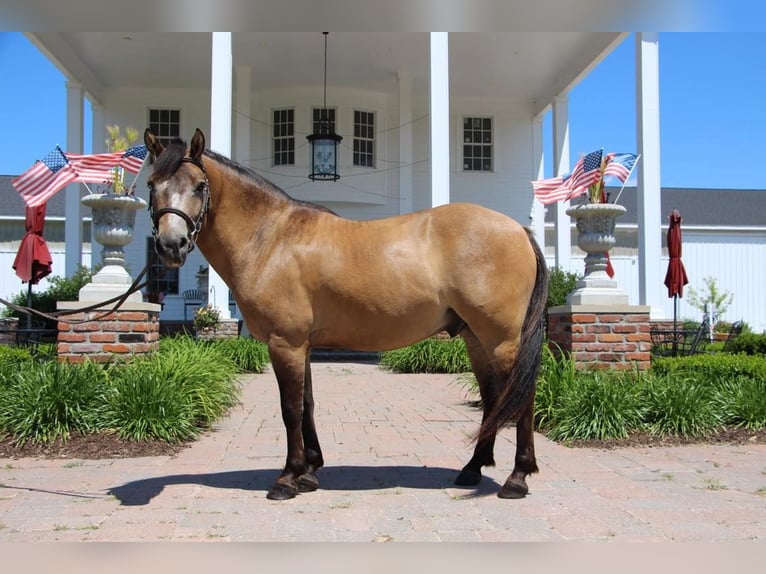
(193, 225)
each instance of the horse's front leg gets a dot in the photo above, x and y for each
(308, 481)
(289, 365)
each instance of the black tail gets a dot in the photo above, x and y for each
(519, 391)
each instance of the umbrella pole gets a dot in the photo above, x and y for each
(29, 303)
(675, 324)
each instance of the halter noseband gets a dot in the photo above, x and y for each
(193, 225)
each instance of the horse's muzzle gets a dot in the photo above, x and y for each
(172, 251)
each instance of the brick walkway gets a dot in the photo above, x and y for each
(392, 446)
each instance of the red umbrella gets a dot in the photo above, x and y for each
(33, 260)
(675, 278)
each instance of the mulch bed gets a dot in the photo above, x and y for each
(90, 446)
(109, 445)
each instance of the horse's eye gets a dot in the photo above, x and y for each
(200, 187)
(150, 186)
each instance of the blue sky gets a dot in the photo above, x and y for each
(713, 121)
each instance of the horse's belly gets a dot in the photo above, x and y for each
(378, 327)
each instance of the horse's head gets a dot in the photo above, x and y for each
(179, 196)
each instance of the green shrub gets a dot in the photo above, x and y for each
(205, 375)
(249, 355)
(429, 356)
(597, 406)
(750, 344)
(560, 284)
(12, 359)
(42, 402)
(743, 402)
(679, 405)
(557, 375)
(59, 289)
(711, 368)
(144, 405)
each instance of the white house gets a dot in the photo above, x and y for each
(426, 118)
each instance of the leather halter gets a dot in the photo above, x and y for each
(193, 226)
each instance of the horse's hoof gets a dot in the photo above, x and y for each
(281, 492)
(468, 477)
(513, 489)
(308, 482)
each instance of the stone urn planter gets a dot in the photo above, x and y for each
(114, 219)
(595, 235)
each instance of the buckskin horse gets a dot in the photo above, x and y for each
(303, 276)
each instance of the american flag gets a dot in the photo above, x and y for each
(133, 158)
(46, 177)
(586, 172)
(97, 168)
(620, 165)
(571, 185)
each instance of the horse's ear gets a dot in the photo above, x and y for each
(152, 143)
(197, 144)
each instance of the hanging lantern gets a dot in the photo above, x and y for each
(324, 141)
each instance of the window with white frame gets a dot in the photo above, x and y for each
(317, 116)
(477, 144)
(283, 137)
(364, 138)
(165, 124)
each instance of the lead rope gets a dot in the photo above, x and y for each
(57, 316)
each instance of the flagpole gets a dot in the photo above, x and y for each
(140, 169)
(635, 163)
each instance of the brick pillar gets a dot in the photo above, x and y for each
(133, 329)
(602, 336)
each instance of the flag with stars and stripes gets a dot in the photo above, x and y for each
(586, 171)
(620, 165)
(45, 178)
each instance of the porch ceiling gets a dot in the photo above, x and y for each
(526, 66)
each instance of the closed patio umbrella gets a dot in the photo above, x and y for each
(675, 278)
(33, 260)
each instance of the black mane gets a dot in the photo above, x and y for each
(259, 181)
(170, 159)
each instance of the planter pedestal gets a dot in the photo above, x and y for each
(114, 218)
(595, 227)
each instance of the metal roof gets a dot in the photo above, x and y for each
(698, 207)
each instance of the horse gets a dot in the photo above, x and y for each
(303, 276)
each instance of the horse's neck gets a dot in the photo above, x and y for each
(239, 210)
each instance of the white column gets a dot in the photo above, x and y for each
(242, 116)
(405, 142)
(561, 220)
(537, 214)
(98, 136)
(72, 207)
(220, 139)
(439, 88)
(650, 279)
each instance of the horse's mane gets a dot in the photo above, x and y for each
(261, 182)
(171, 157)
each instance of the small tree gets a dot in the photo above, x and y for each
(711, 301)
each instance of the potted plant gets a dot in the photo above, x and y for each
(206, 321)
(114, 209)
(595, 220)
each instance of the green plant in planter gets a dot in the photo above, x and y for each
(207, 319)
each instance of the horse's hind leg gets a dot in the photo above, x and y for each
(308, 481)
(516, 484)
(488, 388)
